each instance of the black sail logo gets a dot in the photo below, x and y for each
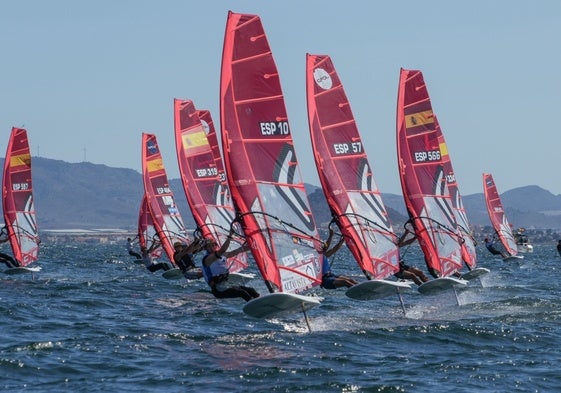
(284, 171)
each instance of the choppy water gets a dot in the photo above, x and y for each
(92, 321)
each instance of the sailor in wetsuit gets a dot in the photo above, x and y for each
(216, 271)
(148, 259)
(328, 279)
(183, 258)
(5, 258)
(490, 244)
(130, 250)
(407, 272)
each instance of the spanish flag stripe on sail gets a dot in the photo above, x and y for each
(419, 119)
(20, 160)
(443, 149)
(194, 140)
(155, 165)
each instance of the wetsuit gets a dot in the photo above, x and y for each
(8, 260)
(328, 278)
(216, 276)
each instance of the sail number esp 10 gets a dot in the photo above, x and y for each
(272, 128)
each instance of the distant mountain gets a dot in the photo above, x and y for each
(93, 196)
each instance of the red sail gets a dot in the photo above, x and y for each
(497, 215)
(468, 244)
(260, 161)
(345, 173)
(208, 196)
(423, 177)
(17, 199)
(165, 215)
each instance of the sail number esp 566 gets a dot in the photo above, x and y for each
(269, 128)
(423, 156)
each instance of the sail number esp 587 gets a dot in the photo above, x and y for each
(270, 128)
(423, 156)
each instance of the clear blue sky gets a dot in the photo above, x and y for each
(86, 78)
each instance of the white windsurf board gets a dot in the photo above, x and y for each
(279, 303)
(240, 278)
(173, 274)
(22, 270)
(440, 284)
(513, 258)
(375, 289)
(474, 273)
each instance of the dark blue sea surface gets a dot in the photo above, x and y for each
(93, 321)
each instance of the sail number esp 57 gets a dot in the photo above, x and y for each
(272, 128)
(347, 148)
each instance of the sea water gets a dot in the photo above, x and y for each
(93, 321)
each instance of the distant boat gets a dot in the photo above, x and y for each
(422, 156)
(166, 217)
(20, 225)
(348, 182)
(204, 183)
(498, 217)
(263, 172)
(522, 241)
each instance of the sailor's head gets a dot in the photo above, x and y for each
(210, 244)
(177, 246)
(486, 239)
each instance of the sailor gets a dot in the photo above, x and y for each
(490, 244)
(5, 258)
(130, 250)
(184, 259)
(328, 279)
(8, 260)
(149, 262)
(407, 272)
(216, 271)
